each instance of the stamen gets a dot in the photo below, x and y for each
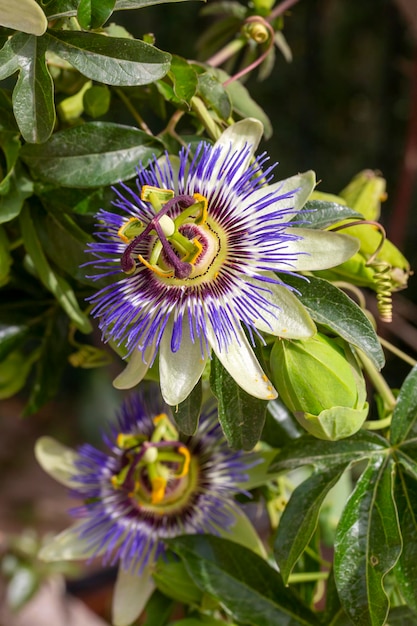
(186, 463)
(158, 489)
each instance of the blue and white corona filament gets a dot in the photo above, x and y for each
(192, 252)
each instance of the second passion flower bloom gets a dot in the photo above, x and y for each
(192, 253)
(148, 487)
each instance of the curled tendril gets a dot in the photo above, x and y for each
(382, 272)
(259, 30)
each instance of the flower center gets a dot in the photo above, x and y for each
(185, 247)
(157, 473)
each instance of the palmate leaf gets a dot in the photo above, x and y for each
(33, 95)
(243, 582)
(300, 517)
(406, 568)
(368, 544)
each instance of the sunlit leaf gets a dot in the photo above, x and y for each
(110, 60)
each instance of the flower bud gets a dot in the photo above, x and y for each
(321, 382)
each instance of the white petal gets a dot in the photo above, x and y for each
(131, 593)
(247, 131)
(24, 15)
(67, 546)
(57, 460)
(305, 184)
(135, 370)
(179, 371)
(240, 361)
(243, 532)
(286, 317)
(321, 249)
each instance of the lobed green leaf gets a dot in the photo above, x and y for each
(300, 517)
(404, 418)
(307, 450)
(368, 544)
(406, 568)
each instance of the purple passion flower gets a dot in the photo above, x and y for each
(192, 253)
(148, 486)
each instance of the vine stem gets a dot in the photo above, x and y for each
(305, 577)
(204, 116)
(140, 121)
(228, 51)
(281, 8)
(402, 355)
(378, 381)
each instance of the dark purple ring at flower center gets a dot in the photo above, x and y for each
(181, 269)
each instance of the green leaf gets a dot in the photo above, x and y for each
(241, 416)
(186, 413)
(9, 58)
(5, 258)
(53, 282)
(401, 616)
(96, 100)
(11, 337)
(50, 364)
(14, 370)
(404, 418)
(158, 609)
(93, 13)
(10, 146)
(91, 155)
(184, 79)
(110, 60)
(33, 95)
(68, 8)
(368, 545)
(64, 243)
(321, 214)
(333, 309)
(300, 517)
(406, 568)
(244, 583)
(214, 95)
(20, 188)
(307, 450)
